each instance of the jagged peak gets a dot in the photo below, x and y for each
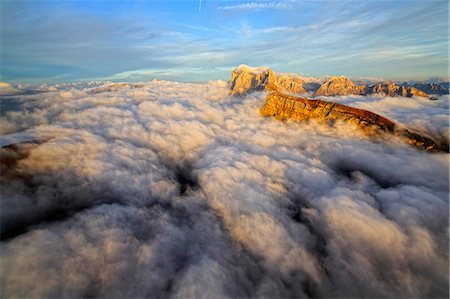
(245, 79)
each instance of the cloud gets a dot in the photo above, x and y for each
(6, 88)
(44, 41)
(167, 189)
(258, 5)
(406, 111)
(361, 29)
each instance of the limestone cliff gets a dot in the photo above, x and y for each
(389, 88)
(339, 86)
(283, 106)
(290, 83)
(245, 79)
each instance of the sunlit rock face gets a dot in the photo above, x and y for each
(245, 79)
(283, 107)
(389, 88)
(339, 86)
(291, 84)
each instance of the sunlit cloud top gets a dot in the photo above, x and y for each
(45, 41)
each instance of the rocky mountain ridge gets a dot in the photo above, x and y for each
(433, 88)
(283, 107)
(246, 79)
(344, 86)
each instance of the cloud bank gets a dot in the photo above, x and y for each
(166, 189)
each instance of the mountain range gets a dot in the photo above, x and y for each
(245, 79)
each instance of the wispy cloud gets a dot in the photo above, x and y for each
(68, 41)
(258, 5)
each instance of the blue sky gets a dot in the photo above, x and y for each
(59, 41)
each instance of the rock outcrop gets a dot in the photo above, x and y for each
(283, 107)
(245, 79)
(290, 84)
(339, 86)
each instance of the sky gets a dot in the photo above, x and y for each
(197, 41)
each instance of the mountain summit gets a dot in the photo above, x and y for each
(245, 79)
(339, 86)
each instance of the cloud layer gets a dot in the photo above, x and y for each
(167, 189)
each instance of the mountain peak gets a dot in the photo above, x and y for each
(339, 85)
(245, 79)
(243, 68)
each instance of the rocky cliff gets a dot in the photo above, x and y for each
(290, 83)
(245, 79)
(283, 107)
(339, 86)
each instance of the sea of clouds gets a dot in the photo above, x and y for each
(166, 189)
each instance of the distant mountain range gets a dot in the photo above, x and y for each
(245, 79)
